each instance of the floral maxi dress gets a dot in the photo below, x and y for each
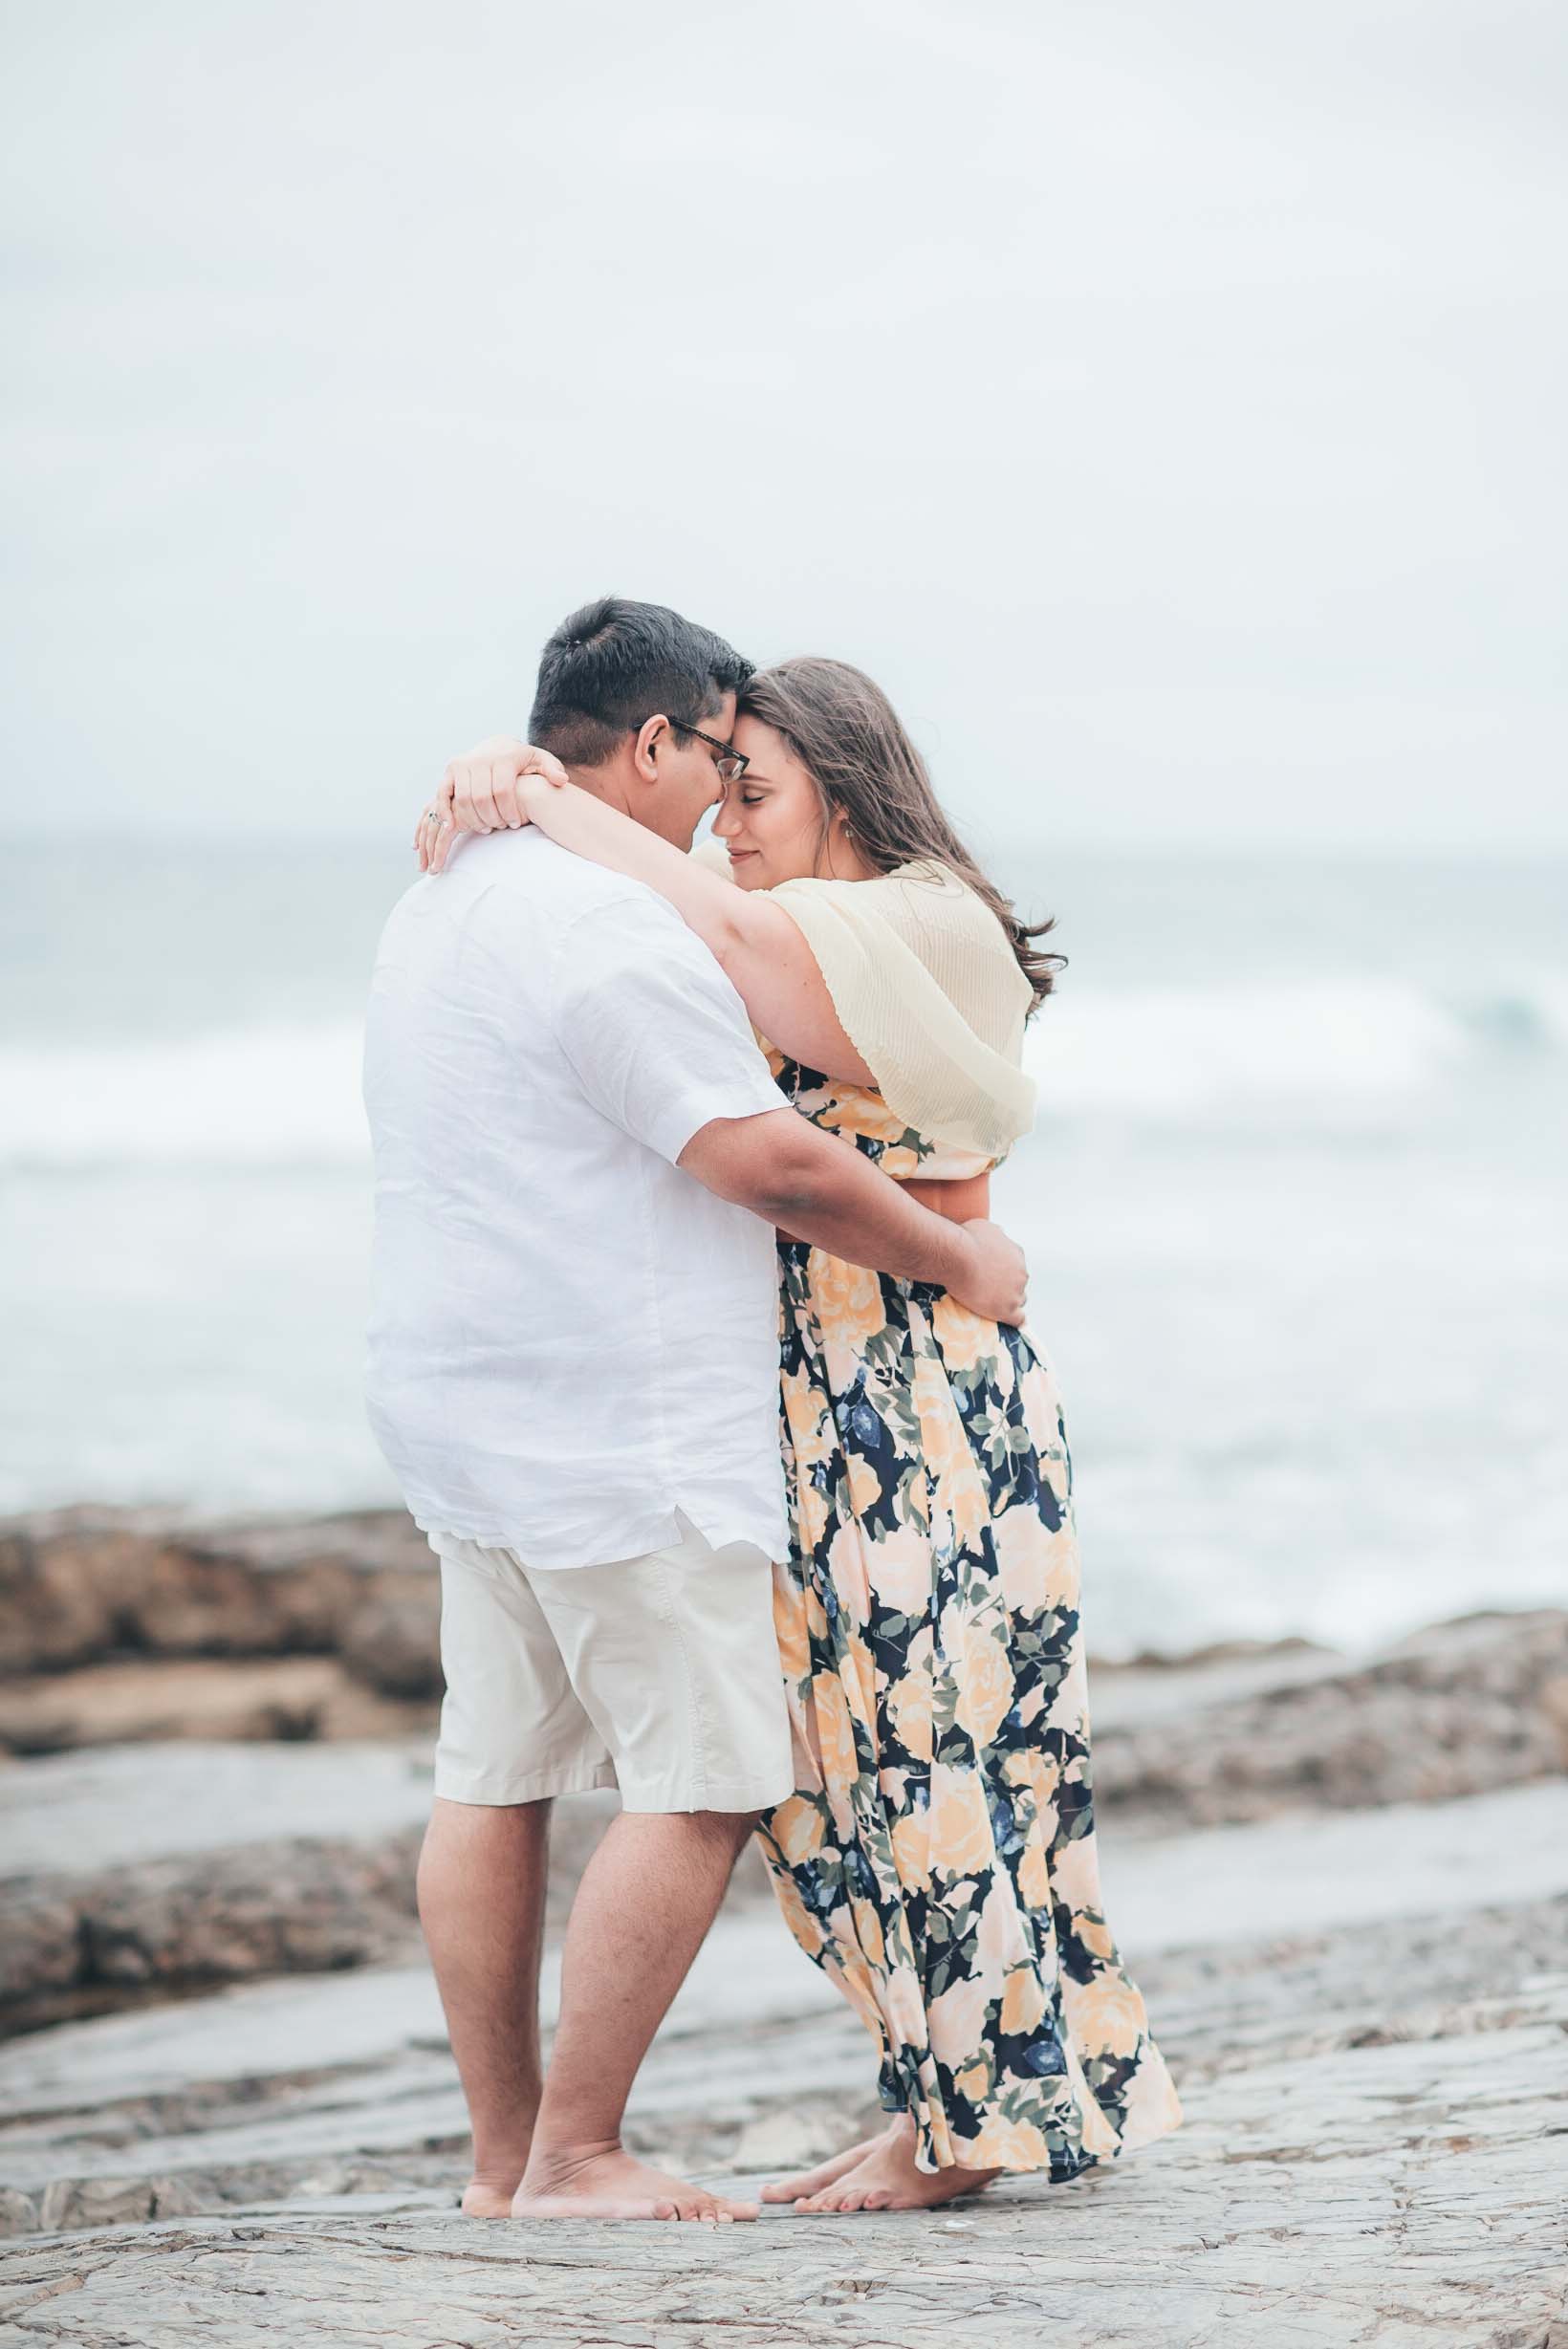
(938, 1858)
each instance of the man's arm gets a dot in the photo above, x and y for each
(789, 1172)
(763, 951)
(659, 1040)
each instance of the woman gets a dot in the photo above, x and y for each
(938, 1857)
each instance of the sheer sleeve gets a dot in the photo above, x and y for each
(929, 992)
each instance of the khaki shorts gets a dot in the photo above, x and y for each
(657, 1674)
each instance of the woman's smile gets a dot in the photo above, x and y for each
(799, 834)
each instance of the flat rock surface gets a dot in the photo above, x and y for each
(1342, 1885)
(202, 1862)
(69, 1814)
(1371, 2081)
(1388, 2193)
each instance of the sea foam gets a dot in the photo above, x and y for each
(1316, 1050)
(263, 1096)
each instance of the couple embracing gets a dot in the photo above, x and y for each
(703, 1369)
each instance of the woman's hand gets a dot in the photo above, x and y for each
(999, 1287)
(479, 792)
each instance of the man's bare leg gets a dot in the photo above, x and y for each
(647, 1900)
(481, 1887)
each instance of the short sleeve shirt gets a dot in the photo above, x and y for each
(570, 1339)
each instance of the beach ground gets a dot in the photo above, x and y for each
(231, 2116)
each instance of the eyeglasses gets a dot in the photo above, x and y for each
(730, 763)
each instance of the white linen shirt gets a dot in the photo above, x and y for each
(570, 1339)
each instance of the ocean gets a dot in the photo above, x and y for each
(1295, 1211)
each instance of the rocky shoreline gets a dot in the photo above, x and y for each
(1343, 1882)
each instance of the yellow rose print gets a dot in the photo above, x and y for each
(869, 1926)
(849, 1301)
(986, 1688)
(945, 1875)
(912, 1850)
(965, 1340)
(1023, 2001)
(909, 1711)
(797, 1828)
(960, 1842)
(835, 1731)
(1033, 1876)
(790, 1629)
(1011, 2145)
(974, 2081)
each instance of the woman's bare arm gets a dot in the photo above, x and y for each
(772, 970)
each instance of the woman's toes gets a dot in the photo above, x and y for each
(826, 2173)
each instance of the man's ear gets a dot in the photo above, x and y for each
(651, 736)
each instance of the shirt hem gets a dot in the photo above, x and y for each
(547, 1553)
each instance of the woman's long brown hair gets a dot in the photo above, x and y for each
(847, 733)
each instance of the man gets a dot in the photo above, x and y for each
(579, 1159)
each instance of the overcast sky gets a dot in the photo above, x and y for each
(1165, 402)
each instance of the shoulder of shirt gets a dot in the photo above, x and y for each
(561, 889)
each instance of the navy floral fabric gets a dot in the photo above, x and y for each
(938, 1858)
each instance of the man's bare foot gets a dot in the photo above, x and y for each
(827, 2173)
(887, 2179)
(488, 2193)
(604, 2182)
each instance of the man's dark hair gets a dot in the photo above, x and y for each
(616, 663)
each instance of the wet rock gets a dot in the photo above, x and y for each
(19, 2214)
(1325, 2188)
(196, 1863)
(1257, 1947)
(173, 1865)
(81, 1585)
(208, 1699)
(95, 2202)
(266, 1908)
(1455, 1711)
(391, 1640)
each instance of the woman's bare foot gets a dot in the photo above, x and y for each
(484, 2198)
(490, 2187)
(827, 2173)
(604, 2182)
(887, 2179)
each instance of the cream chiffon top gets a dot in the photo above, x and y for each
(928, 992)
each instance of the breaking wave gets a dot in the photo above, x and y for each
(289, 1094)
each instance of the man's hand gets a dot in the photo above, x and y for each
(999, 1287)
(478, 793)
